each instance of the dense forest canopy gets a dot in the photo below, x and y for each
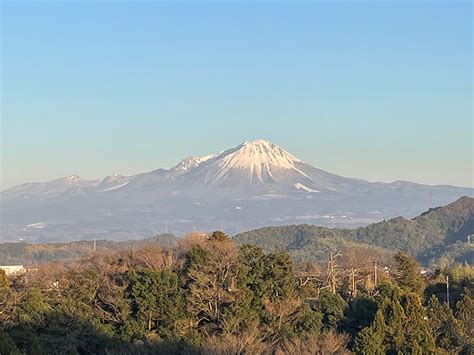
(211, 296)
(437, 236)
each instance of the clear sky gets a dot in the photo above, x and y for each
(375, 90)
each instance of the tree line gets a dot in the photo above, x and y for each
(209, 296)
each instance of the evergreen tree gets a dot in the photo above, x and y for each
(407, 274)
(394, 317)
(444, 328)
(33, 309)
(7, 345)
(156, 296)
(370, 341)
(465, 315)
(416, 327)
(359, 314)
(278, 278)
(332, 307)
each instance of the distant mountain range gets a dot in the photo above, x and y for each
(438, 233)
(254, 184)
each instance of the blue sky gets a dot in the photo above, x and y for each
(375, 90)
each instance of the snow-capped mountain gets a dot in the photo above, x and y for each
(51, 189)
(257, 162)
(254, 184)
(253, 168)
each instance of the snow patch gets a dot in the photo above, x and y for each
(300, 186)
(115, 187)
(38, 225)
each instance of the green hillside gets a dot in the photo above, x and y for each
(439, 232)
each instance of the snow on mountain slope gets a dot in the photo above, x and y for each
(253, 167)
(116, 187)
(49, 189)
(191, 162)
(300, 186)
(254, 184)
(258, 158)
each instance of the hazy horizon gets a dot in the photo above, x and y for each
(376, 91)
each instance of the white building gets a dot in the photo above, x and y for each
(13, 270)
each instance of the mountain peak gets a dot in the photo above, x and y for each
(187, 163)
(257, 142)
(191, 162)
(258, 159)
(69, 180)
(265, 152)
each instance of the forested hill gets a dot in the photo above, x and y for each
(306, 242)
(28, 254)
(438, 233)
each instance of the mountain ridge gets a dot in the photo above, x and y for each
(429, 236)
(254, 184)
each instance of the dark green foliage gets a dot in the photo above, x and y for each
(332, 307)
(308, 321)
(465, 317)
(461, 280)
(33, 309)
(7, 345)
(156, 298)
(440, 232)
(416, 327)
(407, 274)
(445, 328)
(216, 298)
(278, 276)
(359, 314)
(371, 339)
(400, 326)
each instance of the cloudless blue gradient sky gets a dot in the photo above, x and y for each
(375, 90)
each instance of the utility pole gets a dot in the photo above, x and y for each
(95, 245)
(375, 273)
(447, 290)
